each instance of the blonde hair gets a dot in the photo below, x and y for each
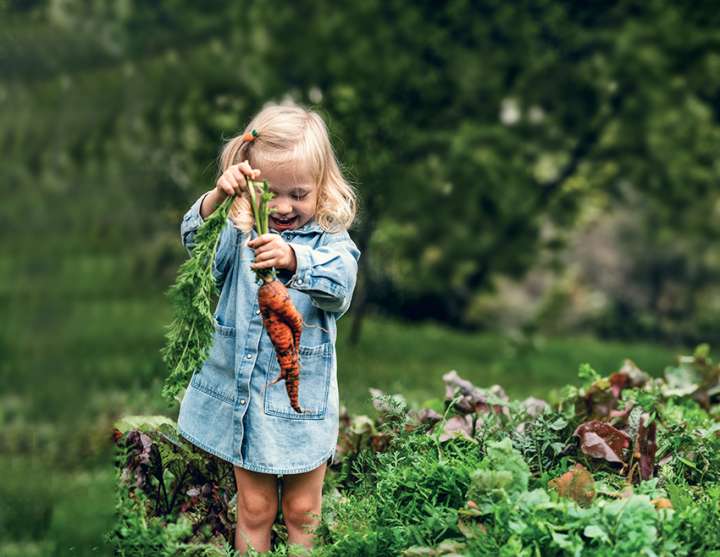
(293, 134)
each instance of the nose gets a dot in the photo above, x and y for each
(283, 208)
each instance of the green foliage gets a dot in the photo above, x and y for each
(503, 468)
(189, 336)
(171, 500)
(399, 488)
(112, 118)
(504, 150)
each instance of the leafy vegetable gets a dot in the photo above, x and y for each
(189, 335)
(512, 482)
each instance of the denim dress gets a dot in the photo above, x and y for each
(230, 408)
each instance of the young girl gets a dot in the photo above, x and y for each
(231, 408)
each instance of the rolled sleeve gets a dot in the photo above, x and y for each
(327, 274)
(227, 246)
(191, 222)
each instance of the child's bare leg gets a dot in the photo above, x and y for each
(257, 505)
(301, 499)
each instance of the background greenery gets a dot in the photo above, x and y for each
(538, 187)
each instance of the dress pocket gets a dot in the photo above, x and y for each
(216, 376)
(315, 370)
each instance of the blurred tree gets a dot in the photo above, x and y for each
(476, 131)
(471, 125)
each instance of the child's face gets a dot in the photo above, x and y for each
(295, 197)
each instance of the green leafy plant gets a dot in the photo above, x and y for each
(517, 481)
(189, 335)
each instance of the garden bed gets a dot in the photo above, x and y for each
(622, 465)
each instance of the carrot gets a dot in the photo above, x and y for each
(281, 319)
(284, 327)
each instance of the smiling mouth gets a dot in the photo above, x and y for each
(283, 222)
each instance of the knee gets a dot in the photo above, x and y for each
(298, 510)
(257, 509)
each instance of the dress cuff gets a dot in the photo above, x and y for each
(193, 219)
(301, 278)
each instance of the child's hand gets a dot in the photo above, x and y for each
(272, 251)
(233, 182)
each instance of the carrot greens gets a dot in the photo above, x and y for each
(189, 335)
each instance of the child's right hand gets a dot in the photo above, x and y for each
(233, 182)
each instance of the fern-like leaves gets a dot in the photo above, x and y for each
(189, 335)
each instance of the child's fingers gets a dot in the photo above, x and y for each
(263, 249)
(272, 261)
(260, 241)
(239, 178)
(266, 255)
(225, 186)
(247, 169)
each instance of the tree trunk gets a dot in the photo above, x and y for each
(360, 307)
(361, 291)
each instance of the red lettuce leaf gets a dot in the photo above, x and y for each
(601, 440)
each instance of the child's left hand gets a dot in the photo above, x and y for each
(272, 251)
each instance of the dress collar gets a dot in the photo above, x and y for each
(309, 226)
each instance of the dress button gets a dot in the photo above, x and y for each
(249, 356)
(299, 281)
(242, 401)
(257, 312)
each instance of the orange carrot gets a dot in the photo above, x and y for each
(281, 319)
(283, 324)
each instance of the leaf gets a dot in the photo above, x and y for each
(189, 335)
(593, 531)
(427, 416)
(472, 399)
(680, 381)
(686, 462)
(714, 429)
(557, 447)
(535, 406)
(563, 541)
(618, 381)
(459, 426)
(471, 529)
(451, 548)
(387, 405)
(362, 425)
(502, 468)
(597, 400)
(559, 424)
(587, 372)
(491, 480)
(419, 551)
(577, 484)
(680, 497)
(636, 376)
(646, 446)
(601, 440)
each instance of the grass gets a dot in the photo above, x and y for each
(411, 359)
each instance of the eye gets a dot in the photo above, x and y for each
(299, 197)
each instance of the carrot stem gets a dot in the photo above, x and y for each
(260, 211)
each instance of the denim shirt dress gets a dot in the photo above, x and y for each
(230, 409)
